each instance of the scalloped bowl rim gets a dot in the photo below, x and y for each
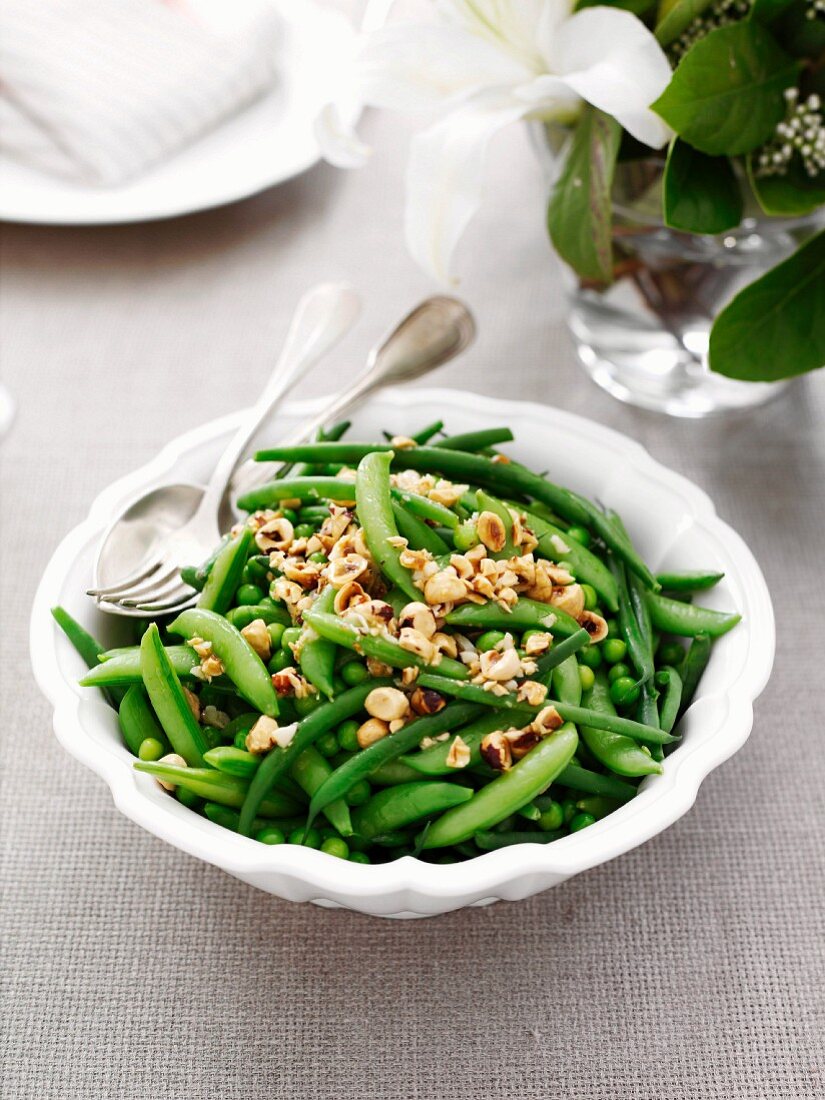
(662, 800)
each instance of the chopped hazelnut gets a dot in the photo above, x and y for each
(427, 701)
(371, 731)
(530, 691)
(178, 762)
(347, 568)
(537, 644)
(419, 617)
(386, 703)
(459, 754)
(261, 738)
(415, 642)
(194, 703)
(257, 635)
(521, 741)
(277, 534)
(546, 721)
(594, 624)
(491, 531)
(445, 586)
(569, 598)
(500, 666)
(496, 752)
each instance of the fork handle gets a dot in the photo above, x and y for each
(322, 317)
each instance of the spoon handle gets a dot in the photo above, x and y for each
(322, 317)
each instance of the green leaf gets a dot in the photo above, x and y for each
(792, 195)
(725, 98)
(765, 11)
(580, 212)
(775, 328)
(701, 193)
(637, 7)
(674, 18)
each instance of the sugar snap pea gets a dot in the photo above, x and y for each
(123, 668)
(696, 581)
(316, 654)
(419, 535)
(168, 700)
(228, 819)
(687, 620)
(694, 666)
(491, 840)
(394, 807)
(670, 681)
(225, 575)
(136, 720)
(374, 510)
(524, 615)
(619, 753)
(228, 790)
(88, 648)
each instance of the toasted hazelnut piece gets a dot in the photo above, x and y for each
(193, 701)
(386, 703)
(546, 721)
(502, 460)
(445, 586)
(257, 635)
(409, 675)
(491, 531)
(459, 754)
(201, 647)
(518, 527)
(397, 541)
(402, 443)
(415, 559)
(529, 691)
(348, 596)
(396, 724)
(594, 624)
(415, 642)
(261, 738)
(537, 644)
(569, 598)
(446, 644)
(521, 741)
(277, 534)
(211, 666)
(427, 701)
(446, 492)
(377, 669)
(216, 719)
(496, 752)
(419, 617)
(500, 666)
(178, 762)
(371, 731)
(347, 568)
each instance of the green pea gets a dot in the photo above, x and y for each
(359, 857)
(624, 692)
(347, 736)
(307, 705)
(239, 740)
(312, 839)
(354, 673)
(271, 835)
(613, 628)
(276, 633)
(327, 745)
(187, 798)
(671, 653)
(248, 594)
(319, 557)
(267, 601)
(360, 793)
(334, 846)
(590, 656)
(465, 536)
(587, 677)
(591, 599)
(552, 818)
(290, 637)
(151, 749)
(280, 660)
(569, 810)
(304, 531)
(618, 672)
(290, 514)
(580, 535)
(581, 821)
(489, 640)
(614, 650)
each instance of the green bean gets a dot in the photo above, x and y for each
(478, 440)
(242, 664)
(316, 655)
(87, 647)
(136, 720)
(248, 613)
(215, 786)
(228, 819)
(225, 576)
(315, 725)
(480, 470)
(695, 663)
(697, 581)
(122, 667)
(394, 807)
(394, 745)
(489, 841)
(639, 650)
(598, 805)
(196, 576)
(669, 679)
(392, 773)
(374, 510)
(328, 435)
(168, 700)
(524, 615)
(590, 782)
(386, 650)
(585, 566)
(234, 761)
(619, 753)
(419, 535)
(425, 508)
(686, 620)
(503, 796)
(426, 434)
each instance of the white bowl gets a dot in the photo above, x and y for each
(672, 521)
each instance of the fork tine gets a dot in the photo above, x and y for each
(173, 602)
(168, 571)
(141, 574)
(155, 593)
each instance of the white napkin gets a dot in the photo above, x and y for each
(100, 89)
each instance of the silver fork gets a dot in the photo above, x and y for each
(433, 333)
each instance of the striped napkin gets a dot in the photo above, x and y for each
(99, 90)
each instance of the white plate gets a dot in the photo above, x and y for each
(672, 521)
(266, 143)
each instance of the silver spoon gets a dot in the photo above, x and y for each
(436, 331)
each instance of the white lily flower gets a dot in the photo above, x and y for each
(481, 66)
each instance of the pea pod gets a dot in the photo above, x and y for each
(582, 779)
(225, 575)
(503, 796)
(419, 535)
(215, 786)
(315, 725)
(228, 818)
(669, 679)
(168, 700)
(243, 666)
(123, 668)
(557, 545)
(697, 581)
(88, 647)
(394, 807)
(374, 508)
(638, 649)
(567, 684)
(394, 745)
(525, 615)
(316, 654)
(695, 663)
(490, 840)
(386, 650)
(311, 771)
(687, 620)
(615, 751)
(136, 720)
(598, 805)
